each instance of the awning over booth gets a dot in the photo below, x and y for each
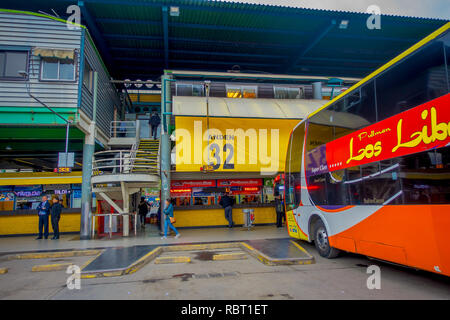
(245, 108)
(54, 53)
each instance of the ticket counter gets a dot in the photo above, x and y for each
(25, 222)
(196, 202)
(213, 216)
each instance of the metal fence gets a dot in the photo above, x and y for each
(124, 161)
(123, 129)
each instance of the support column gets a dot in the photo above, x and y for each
(126, 209)
(86, 188)
(317, 90)
(166, 111)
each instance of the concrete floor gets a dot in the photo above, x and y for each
(149, 237)
(341, 278)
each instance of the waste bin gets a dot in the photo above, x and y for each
(249, 217)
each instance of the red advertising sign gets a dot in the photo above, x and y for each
(239, 182)
(193, 183)
(419, 129)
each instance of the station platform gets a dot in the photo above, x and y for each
(269, 245)
(149, 236)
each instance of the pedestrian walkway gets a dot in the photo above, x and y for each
(118, 261)
(116, 257)
(10, 245)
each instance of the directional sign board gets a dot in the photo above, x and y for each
(66, 160)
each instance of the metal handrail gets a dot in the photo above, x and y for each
(123, 161)
(127, 128)
(133, 153)
(110, 221)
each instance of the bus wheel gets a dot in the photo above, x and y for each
(321, 241)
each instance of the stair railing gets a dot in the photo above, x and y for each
(133, 154)
(119, 161)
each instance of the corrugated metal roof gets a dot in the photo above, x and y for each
(261, 38)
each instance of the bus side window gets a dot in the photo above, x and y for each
(354, 185)
(425, 177)
(446, 41)
(420, 78)
(293, 168)
(317, 189)
(357, 109)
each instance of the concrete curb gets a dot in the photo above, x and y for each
(50, 267)
(230, 256)
(58, 254)
(167, 260)
(277, 262)
(154, 254)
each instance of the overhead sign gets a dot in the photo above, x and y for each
(239, 182)
(66, 160)
(419, 129)
(231, 144)
(192, 183)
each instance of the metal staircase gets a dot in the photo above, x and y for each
(146, 156)
(120, 175)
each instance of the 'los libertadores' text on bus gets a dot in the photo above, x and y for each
(419, 129)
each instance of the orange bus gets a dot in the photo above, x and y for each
(369, 172)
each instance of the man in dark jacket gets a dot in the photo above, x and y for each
(143, 210)
(227, 203)
(55, 211)
(279, 208)
(154, 121)
(43, 210)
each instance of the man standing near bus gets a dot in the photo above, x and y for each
(279, 208)
(227, 204)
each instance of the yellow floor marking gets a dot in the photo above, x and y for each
(164, 260)
(51, 267)
(59, 254)
(230, 256)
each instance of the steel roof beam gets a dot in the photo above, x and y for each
(93, 29)
(256, 30)
(239, 54)
(215, 42)
(165, 26)
(272, 67)
(198, 61)
(316, 39)
(208, 53)
(255, 9)
(201, 26)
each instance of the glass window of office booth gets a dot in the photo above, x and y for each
(245, 195)
(27, 197)
(203, 197)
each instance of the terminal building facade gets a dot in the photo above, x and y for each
(223, 129)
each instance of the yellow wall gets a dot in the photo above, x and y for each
(32, 178)
(263, 150)
(28, 224)
(216, 217)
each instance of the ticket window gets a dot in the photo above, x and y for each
(64, 197)
(234, 197)
(250, 195)
(6, 201)
(183, 201)
(204, 201)
(27, 203)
